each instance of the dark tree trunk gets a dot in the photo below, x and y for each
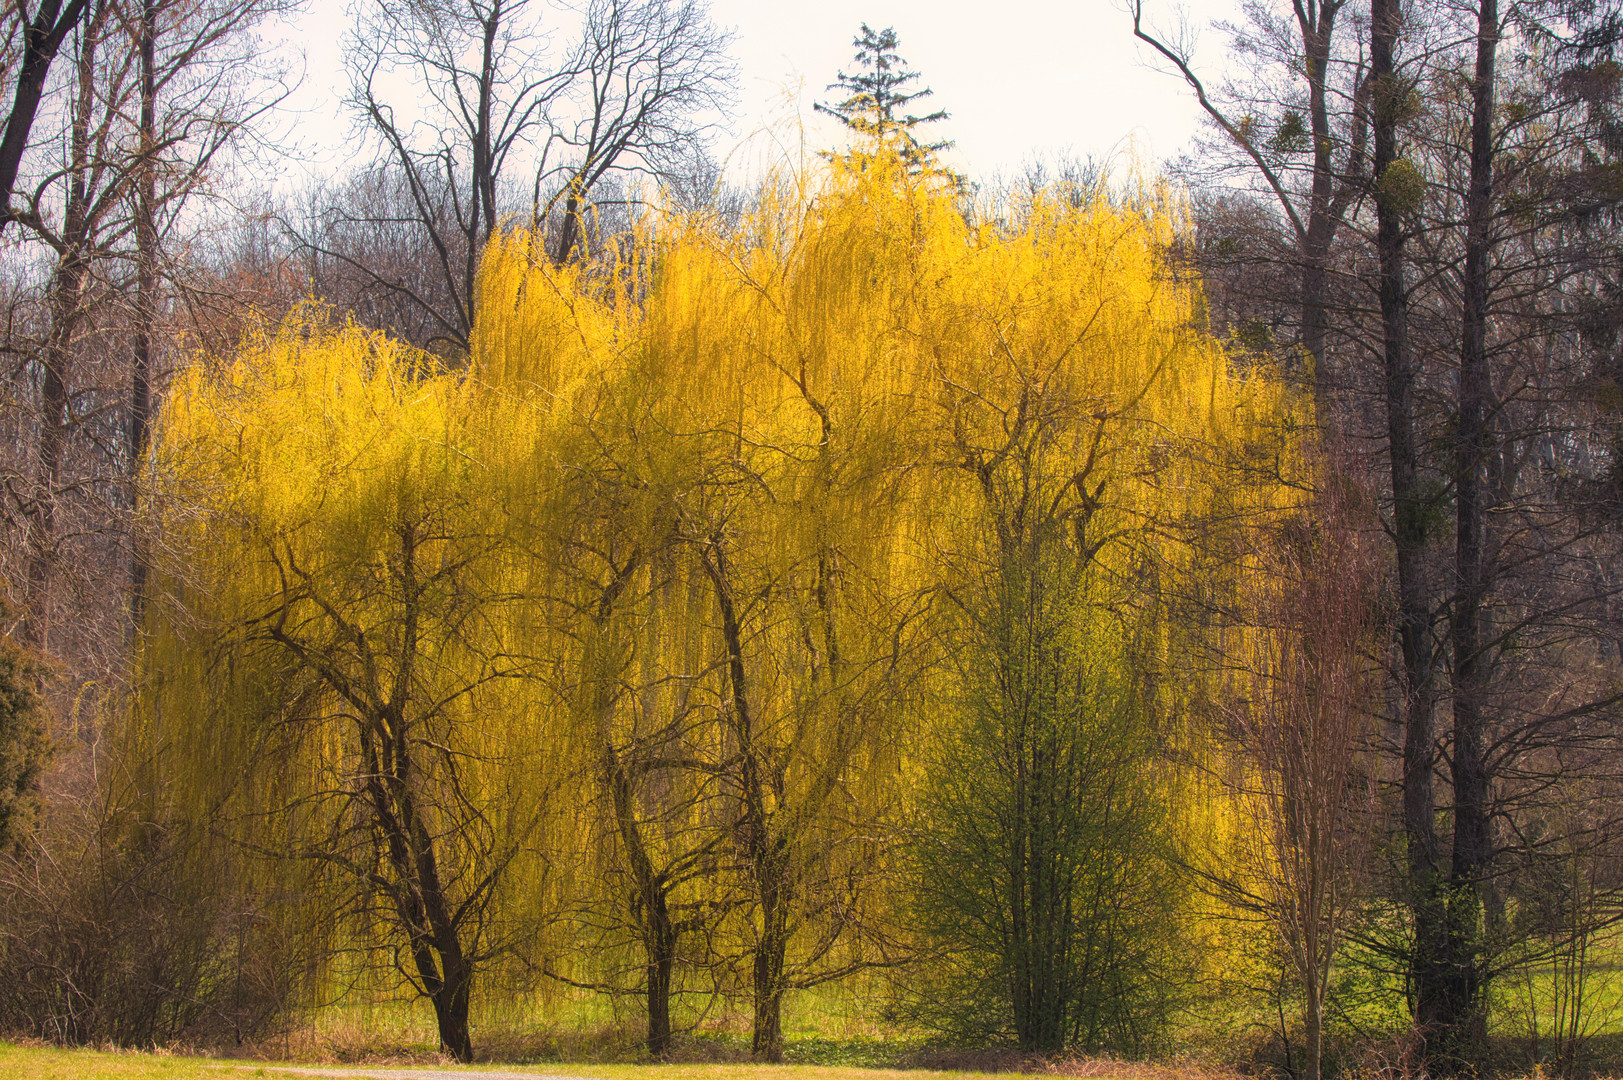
(41, 40)
(650, 906)
(1426, 884)
(765, 852)
(447, 979)
(1461, 1013)
(67, 309)
(568, 228)
(53, 429)
(1321, 225)
(770, 951)
(661, 945)
(146, 299)
(442, 967)
(1040, 896)
(1323, 213)
(451, 1012)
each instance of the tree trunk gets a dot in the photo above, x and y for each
(1461, 1015)
(451, 1012)
(425, 909)
(1427, 889)
(1321, 221)
(649, 906)
(41, 40)
(66, 308)
(146, 293)
(569, 228)
(767, 1042)
(765, 851)
(1025, 989)
(1313, 1034)
(1044, 952)
(447, 980)
(1315, 320)
(661, 946)
(53, 427)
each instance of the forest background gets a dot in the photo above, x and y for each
(539, 592)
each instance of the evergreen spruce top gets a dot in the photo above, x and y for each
(878, 96)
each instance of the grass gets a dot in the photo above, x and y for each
(827, 1026)
(48, 1063)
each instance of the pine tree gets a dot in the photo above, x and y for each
(878, 95)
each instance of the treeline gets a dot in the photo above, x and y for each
(1059, 609)
(1427, 217)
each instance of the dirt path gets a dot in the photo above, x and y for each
(409, 1074)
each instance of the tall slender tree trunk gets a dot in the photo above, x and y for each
(658, 930)
(765, 851)
(1316, 930)
(66, 305)
(66, 294)
(1426, 884)
(146, 301)
(660, 943)
(1472, 840)
(1023, 992)
(1313, 1033)
(1321, 219)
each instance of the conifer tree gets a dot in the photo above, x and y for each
(877, 97)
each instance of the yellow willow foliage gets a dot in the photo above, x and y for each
(346, 607)
(857, 385)
(695, 525)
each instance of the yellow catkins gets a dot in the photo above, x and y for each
(641, 605)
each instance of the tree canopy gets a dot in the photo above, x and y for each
(668, 586)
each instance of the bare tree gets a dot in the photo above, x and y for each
(1468, 279)
(1299, 723)
(486, 86)
(503, 115)
(42, 36)
(1299, 122)
(651, 71)
(156, 97)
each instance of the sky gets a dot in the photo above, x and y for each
(1021, 78)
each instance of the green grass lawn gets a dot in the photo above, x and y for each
(46, 1063)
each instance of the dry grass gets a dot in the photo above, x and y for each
(1012, 1062)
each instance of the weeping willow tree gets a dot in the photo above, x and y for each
(801, 533)
(344, 682)
(741, 599)
(621, 649)
(859, 458)
(1078, 414)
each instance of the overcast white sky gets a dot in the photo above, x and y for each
(1019, 77)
